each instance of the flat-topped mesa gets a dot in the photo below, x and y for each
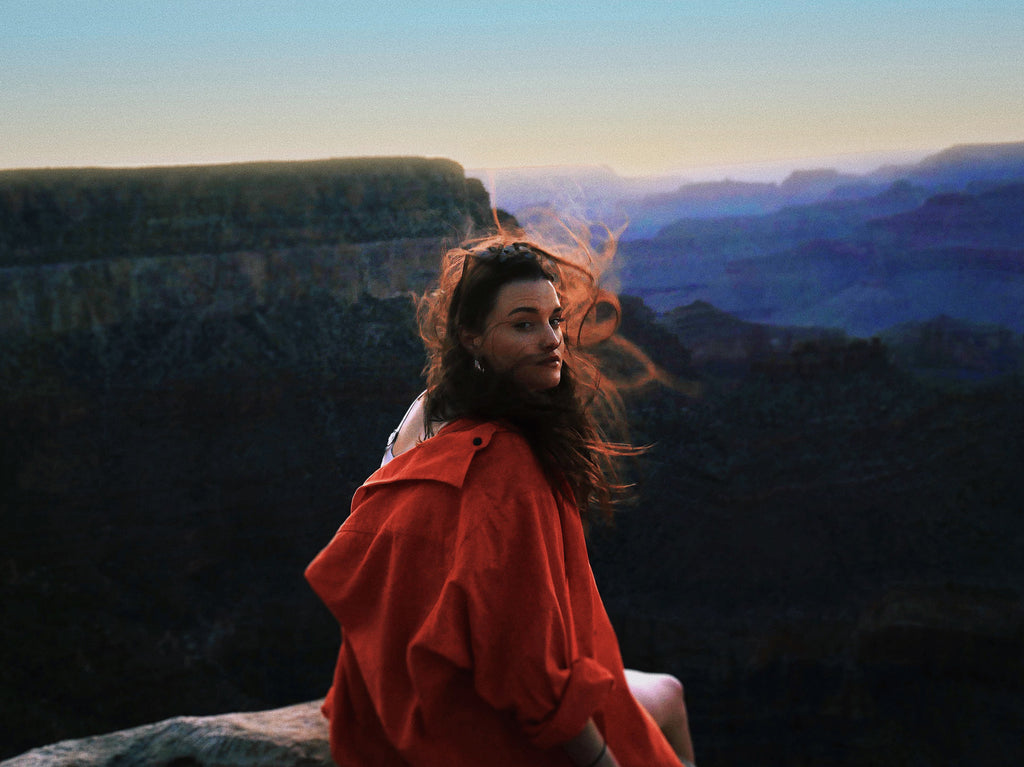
(77, 214)
(84, 248)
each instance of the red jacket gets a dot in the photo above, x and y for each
(472, 630)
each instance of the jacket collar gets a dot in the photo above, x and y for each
(445, 457)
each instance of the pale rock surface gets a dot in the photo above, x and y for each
(295, 736)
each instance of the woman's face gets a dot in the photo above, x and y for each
(523, 334)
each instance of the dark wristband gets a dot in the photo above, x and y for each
(600, 755)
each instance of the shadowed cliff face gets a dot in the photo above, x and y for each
(165, 484)
(827, 548)
(55, 299)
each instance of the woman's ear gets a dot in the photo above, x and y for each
(470, 341)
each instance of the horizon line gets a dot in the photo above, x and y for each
(856, 162)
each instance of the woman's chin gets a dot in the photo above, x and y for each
(541, 380)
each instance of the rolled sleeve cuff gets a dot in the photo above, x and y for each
(588, 684)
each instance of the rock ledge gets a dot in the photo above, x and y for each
(294, 736)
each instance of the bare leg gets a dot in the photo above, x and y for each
(662, 696)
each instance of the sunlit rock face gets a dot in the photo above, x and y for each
(295, 736)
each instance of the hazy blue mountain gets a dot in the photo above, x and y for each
(689, 258)
(651, 203)
(709, 199)
(960, 166)
(733, 236)
(971, 168)
(990, 219)
(593, 191)
(841, 265)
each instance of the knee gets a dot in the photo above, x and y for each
(670, 688)
(668, 692)
(674, 719)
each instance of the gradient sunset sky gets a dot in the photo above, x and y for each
(642, 87)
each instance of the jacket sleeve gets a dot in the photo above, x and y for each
(506, 613)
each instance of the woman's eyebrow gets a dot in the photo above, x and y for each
(532, 310)
(524, 310)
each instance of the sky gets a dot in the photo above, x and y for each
(641, 87)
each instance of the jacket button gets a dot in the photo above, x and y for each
(477, 441)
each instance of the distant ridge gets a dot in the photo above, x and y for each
(650, 203)
(961, 154)
(965, 164)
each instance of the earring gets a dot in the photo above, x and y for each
(478, 366)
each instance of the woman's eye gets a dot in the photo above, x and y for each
(523, 325)
(556, 322)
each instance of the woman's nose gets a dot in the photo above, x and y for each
(553, 338)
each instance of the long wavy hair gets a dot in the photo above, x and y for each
(567, 426)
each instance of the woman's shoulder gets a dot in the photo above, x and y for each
(448, 455)
(490, 441)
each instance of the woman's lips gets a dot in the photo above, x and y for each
(554, 361)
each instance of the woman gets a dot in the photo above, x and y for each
(472, 629)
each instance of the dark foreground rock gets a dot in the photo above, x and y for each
(295, 736)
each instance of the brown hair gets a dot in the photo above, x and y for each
(565, 425)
